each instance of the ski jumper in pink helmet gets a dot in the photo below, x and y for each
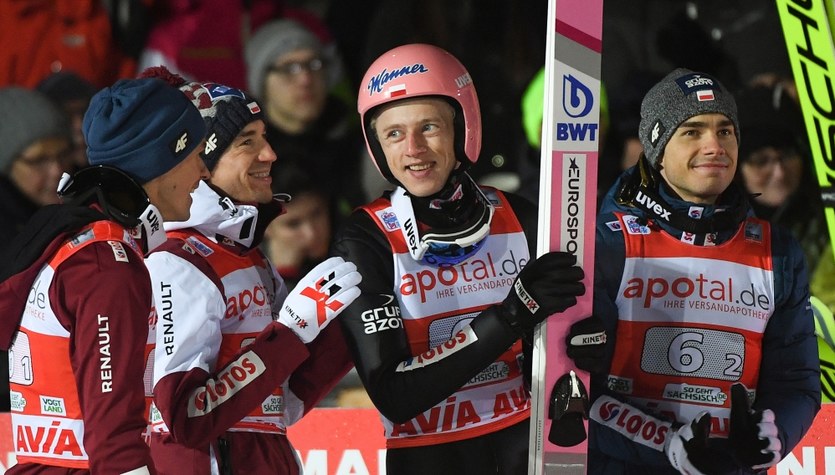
(437, 333)
(418, 70)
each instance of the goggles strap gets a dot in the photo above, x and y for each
(402, 207)
(418, 245)
(150, 226)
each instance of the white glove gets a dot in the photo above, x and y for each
(319, 297)
(687, 446)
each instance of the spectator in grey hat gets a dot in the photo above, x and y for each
(710, 342)
(34, 148)
(33, 142)
(290, 74)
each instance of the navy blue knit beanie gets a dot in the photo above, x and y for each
(144, 127)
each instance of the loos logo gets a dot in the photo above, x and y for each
(708, 293)
(631, 423)
(470, 275)
(577, 102)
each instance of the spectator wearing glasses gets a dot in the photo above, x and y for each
(290, 74)
(35, 142)
(775, 165)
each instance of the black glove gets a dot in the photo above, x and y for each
(585, 345)
(547, 285)
(754, 437)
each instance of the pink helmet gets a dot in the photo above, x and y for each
(416, 70)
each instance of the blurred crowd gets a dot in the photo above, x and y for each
(303, 60)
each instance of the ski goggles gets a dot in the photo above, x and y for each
(119, 195)
(443, 254)
(447, 247)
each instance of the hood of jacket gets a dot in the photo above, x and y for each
(217, 216)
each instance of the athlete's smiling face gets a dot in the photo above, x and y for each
(243, 171)
(417, 138)
(700, 159)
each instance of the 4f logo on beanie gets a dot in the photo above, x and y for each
(180, 143)
(656, 132)
(211, 144)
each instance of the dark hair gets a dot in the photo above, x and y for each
(294, 180)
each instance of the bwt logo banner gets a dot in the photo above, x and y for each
(577, 115)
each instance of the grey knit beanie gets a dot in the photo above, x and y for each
(270, 42)
(681, 95)
(29, 116)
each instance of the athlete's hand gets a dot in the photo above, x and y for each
(546, 285)
(687, 450)
(319, 297)
(754, 437)
(585, 345)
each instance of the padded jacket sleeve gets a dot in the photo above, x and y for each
(789, 381)
(190, 308)
(106, 304)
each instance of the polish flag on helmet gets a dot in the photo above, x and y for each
(397, 90)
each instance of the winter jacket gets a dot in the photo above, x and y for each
(421, 343)
(787, 376)
(227, 380)
(96, 305)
